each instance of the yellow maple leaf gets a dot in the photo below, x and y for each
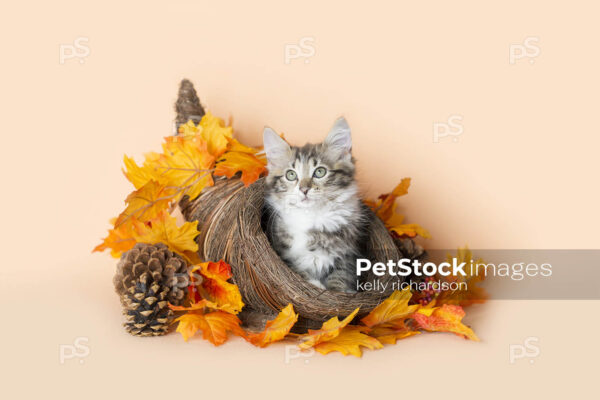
(387, 320)
(212, 130)
(391, 332)
(391, 309)
(164, 229)
(215, 286)
(140, 176)
(235, 145)
(248, 164)
(275, 329)
(214, 325)
(146, 203)
(474, 293)
(348, 342)
(444, 319)
(186, 165)
(410, 230)
(215, 133)
(330, 329)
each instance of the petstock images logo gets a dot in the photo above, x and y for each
(506, 274)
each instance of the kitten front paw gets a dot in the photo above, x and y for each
(316, 283)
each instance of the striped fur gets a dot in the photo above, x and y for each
(316, 224)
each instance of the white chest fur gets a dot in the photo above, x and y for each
(300, 223)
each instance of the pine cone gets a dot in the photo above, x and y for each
(148, 278)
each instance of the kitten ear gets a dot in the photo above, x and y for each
(339, 140)
(277, 150)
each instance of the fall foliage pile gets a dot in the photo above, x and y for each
(189, 163)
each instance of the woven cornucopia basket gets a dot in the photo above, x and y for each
(229, 216)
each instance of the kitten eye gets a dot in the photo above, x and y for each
(290, 175)
(320, 172)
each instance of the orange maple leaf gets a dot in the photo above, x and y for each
(385, 209)
(275, 329)
(349, 341)
(119, 240)
(444, 319)
(330, 329)
(214, 325)
(214, 283)
(387, 202)
(248, 164)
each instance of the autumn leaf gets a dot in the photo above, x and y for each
(410, 230)
(195, 306)
(186, 164)
(140, 176)
(215, 133)
(474, 293)
(328, 331)
(236, 146)
(164, 229)
(385, 209)
(391, 309)
(387, 202)
(275, 329)
(146, 203)
(119, 240)
(444, 319)
(233, 162)
(349, 341)
(391, 332)
(387, 320)
(214, 325)
(212, 130)
(226, 295)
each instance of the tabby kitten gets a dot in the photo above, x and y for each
(314, 217)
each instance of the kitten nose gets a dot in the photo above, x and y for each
(304, 190)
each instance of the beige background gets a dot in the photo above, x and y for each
(523, 174)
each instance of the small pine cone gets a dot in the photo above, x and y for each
(148, 278)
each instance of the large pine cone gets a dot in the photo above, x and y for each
(148, 278)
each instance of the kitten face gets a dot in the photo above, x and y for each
(313, 175)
